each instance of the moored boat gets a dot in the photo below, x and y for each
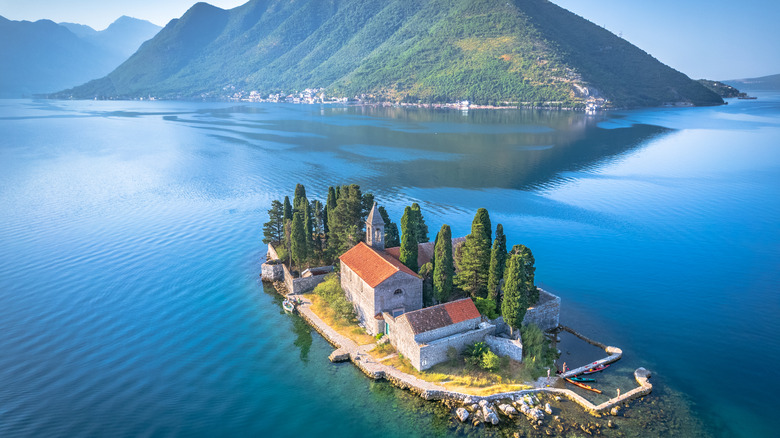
(288, 305)
(596, 369)
(583, 386)
(583, 379)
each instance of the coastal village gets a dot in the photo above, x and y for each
(408, 310)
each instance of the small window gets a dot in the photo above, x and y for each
(398, 292)
(398, 312)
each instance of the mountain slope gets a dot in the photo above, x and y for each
(486, 51)
(764, 83)
(42, 56)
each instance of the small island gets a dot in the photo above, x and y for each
(459, 320)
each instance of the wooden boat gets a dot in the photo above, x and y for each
(583, 386)
(582, 379)
(596, 369)
(288, 306)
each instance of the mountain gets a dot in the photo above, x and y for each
(764, 83)
(485, 51)
(42, 56)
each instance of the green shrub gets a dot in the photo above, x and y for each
(476, 350)
(490, 361)
(486, 307)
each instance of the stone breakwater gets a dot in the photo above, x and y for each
(346, 349)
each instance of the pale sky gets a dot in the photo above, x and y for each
(715, 39)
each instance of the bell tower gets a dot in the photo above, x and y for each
(375, 229)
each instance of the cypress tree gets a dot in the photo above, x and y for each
(308, 221)
(514, 304)
(391, 230)
(273, 230)
(298, 244)
(299, 198)
(345, 220)
(408, 251)
(474, 264)
(421, 230)
(482, 217)
(528, 260)
(444, 269)
(330, 205)
(318, 224)
(497, 263)
(287, 209)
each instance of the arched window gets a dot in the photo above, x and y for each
(398, 292)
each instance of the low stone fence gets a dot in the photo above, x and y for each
(546, 314)
(436, 351)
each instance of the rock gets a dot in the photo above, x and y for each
(615, 411)
(507, 409)
(483, 403)
(468, 400)
(462, 414)
(610, 424)
(474, 407)
(492, 418)
(340, 355)
(558, 398)
(548, 408)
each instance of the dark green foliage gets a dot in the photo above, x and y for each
(408, 253)
(426, 272)
(287, 209)
(528, 261)
(482, 217)
(490, 361)
(346, 221)
(299, 199)
(366, 205)
(392, 238)
(497, 263)
(721, 89)
(298, 240)
(308, 226)
(487, 51)
(331, 292)
(479, 355)
(444, 270)
(330, 205)
(514, 304)
(486, 307)
(421, 230)
(475, 259)
(273, 230)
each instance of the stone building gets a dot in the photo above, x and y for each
(375, 281)
(424, 336)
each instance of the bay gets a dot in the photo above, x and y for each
(130, 248)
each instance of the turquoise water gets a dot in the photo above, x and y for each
(130, 249)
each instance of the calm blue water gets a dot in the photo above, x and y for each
(130, 249)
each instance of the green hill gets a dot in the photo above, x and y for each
(764, 83)
(485, 51)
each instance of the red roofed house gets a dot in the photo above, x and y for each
(424, 336)
(377, 282)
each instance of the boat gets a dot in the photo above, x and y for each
(583, 379)
(747, 97)
(288, 305)
(596, 369)
(583, 386)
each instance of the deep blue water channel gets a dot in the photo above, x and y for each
(130, 248)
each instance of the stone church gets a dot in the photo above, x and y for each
(375, 281)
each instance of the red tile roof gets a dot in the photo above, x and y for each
(441, 315)
(462, 310)
(371, 265)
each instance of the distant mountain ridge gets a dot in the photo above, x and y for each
(485, 51)
(43, 56)
(764, 83)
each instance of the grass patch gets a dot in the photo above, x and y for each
(345, 328)
(382, 350)
(456, 375)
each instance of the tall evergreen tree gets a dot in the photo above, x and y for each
(444, 269)
(528, 264)
(420, 228)
(273, 230)
(497, 263)
(367, 204)
(346, 224)
(514, 304)
(426, 272)
(318, 224)
(474, 264)
(308, 225)
(392, 238)
(408, 253)
(299, 199)
(287, 209)
(482, 217)
(298, 244)
(330, 205)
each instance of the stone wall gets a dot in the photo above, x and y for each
(271, 272)
(511, 348)
(546, 314)
(362, 297)
(271, 254)
(435, 352)
(281, 272)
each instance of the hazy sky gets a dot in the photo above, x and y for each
(715, 39)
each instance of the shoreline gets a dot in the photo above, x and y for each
(348, 350)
